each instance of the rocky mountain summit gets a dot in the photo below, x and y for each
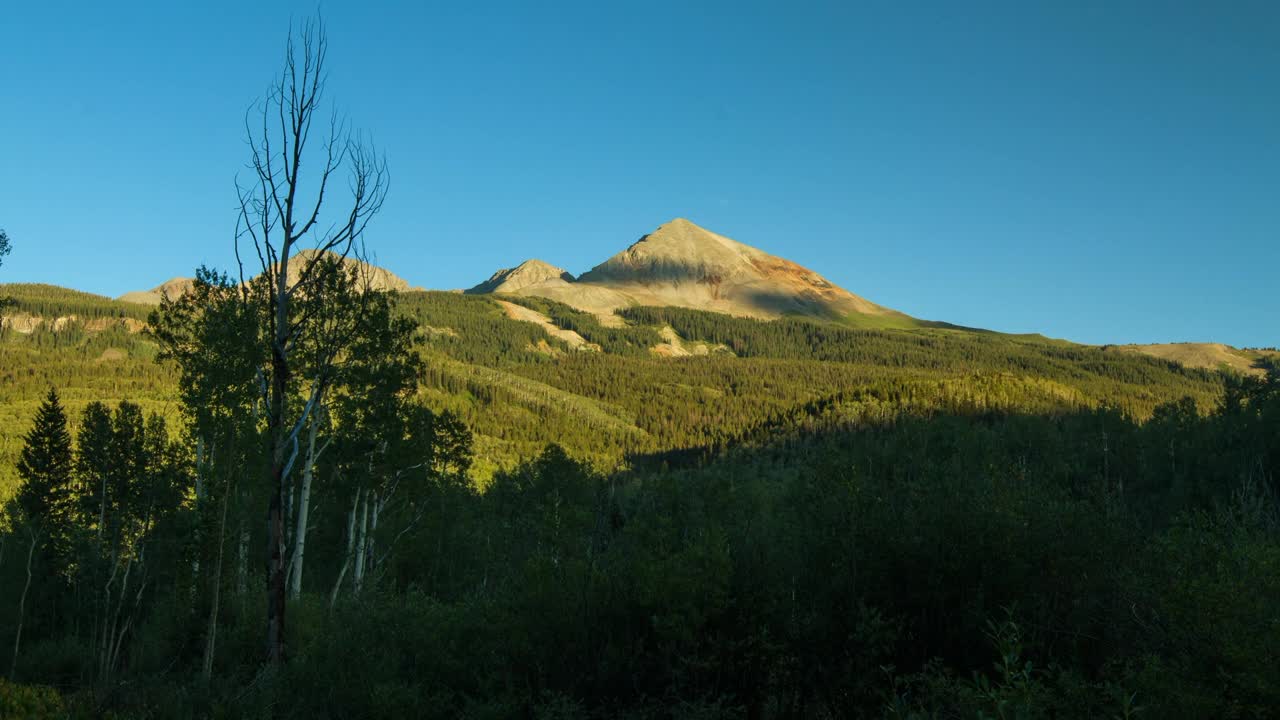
(684, 265)
(526, 274)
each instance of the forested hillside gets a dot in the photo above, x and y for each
(824, 523)
(809, 521)
(87, 346)
(519, 388)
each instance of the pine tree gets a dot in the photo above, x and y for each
(42, 503)
(93, 465)
(45, 466)
(126, 468)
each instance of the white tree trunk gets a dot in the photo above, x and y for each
(304, 505)
(347, 557)
(362, 545)
(22, 610)
(211, 634)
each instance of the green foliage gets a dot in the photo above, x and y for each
(947, 350)
(45, 468)
(108, 365)
(51, 302)
(960, 561)
(832, 523)
(497, 375)
(630, 340)
(1206, 596)
(33, 702)
(472, 329)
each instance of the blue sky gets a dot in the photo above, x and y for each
(1099, 171)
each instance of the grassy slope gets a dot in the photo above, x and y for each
(1211, 356)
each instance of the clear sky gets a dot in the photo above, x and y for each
(1100, 171)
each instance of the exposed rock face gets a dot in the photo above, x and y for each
(684, 265)
(527, 273)
(26, 323)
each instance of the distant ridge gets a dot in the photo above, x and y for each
(1209, 356)
(679, 264)
(379, 279)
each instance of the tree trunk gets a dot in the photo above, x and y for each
(242, 561)
(119, 630)
(276, 429)
(22, 610)
(199, 468)
(351, 544)
(102, 507)
(109, 649)
(275, 579)
(211, 635)
(371, 559)
(290, 503)
(200, 496)
(361, 545)
(304, 506)
(269, 209)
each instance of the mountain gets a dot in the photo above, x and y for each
(172, 289)
(513, 280)
(379, 279)
(684, 265)
(1209, 356)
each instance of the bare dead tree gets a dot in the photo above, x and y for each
(284, 208)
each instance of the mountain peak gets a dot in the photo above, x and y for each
(528, 273)
(377, 278)
(683, 264)
(678, 251)
(172, 289)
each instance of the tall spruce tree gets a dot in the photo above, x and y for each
(93, 466)
(45, 467)
(41, 506)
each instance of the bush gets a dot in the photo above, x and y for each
(30, 701)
